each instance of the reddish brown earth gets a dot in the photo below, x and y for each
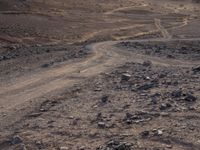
(99, 75)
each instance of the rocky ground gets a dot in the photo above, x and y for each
(109, 75)
(136, 106)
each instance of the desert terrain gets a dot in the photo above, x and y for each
(99, 75)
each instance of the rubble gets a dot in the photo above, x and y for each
(116, 145)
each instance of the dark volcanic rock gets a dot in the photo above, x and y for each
(16, 140)
(196, 69)
(177, 93)
(104, 99)
(126, 77)
(147, 63)
(116, 145)
(136, 118)
(144, 134)
(190, 98)
(146, 86)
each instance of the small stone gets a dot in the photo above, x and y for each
(160, 132)
(196, 69)
(177, 93)
(170, 56)
(16, 140)
(144, 134)
(42, 110)
(82, 148)
(34, 114)
(163, 114)
(95, 106)
(1, 58)
(46, 65)
(23, 147)
(113, 142)
(162, 75)
(13, 47)
(190, 98)
(169, 146)
(121, 147)
(38, 45)
(147, 63)
(191, 108)
(101, 125)
(165, 106)
(157, 132)
(148, 78)
(116, 145)
(146, 86)
(64, 148)
(129, 121)
(71, 117)
(129, 144)
(126, 77)
(104, 99)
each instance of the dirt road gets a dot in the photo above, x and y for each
(105, 57)
(85, 101)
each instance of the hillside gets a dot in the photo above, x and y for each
(99, 75)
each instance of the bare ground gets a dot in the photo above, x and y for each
(125, 76)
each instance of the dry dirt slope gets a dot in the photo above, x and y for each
(62, 90)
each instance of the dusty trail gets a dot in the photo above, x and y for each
(164, 31)
(105, 57)
(124, 8)
(103, 31)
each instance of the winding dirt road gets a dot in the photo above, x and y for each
(105, 57)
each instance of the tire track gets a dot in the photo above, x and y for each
(163, 31)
